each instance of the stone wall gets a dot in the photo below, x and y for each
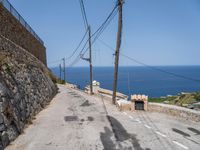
(175, 111)
(12, 29)
(25, 89)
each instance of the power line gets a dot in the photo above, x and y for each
(151, 67)
(85, 20)
(107, 19)
(98, 32)
(90, 46)
(78, 56)
(78, 46)
(86, 26)
(82, 14)
(75, 61)
(103, 26)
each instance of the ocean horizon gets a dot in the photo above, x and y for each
(154, 81)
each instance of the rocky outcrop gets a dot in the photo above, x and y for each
(25, 89)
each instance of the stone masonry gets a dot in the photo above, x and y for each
(25, 89)
(12, 29)
(176, 111)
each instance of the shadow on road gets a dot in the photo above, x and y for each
(197, 132)
(180, 132)
(121, 136)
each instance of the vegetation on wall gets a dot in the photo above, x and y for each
(184, 99)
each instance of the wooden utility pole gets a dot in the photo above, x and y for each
(90, 61)
(119, 35)
(60, 69)
(64, 69)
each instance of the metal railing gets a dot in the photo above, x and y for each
(14, 12)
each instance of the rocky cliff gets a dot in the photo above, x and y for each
(25, 89)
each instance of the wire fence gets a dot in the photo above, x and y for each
(14, 12)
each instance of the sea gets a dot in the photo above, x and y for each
(155, 81)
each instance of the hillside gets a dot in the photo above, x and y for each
(189, 100)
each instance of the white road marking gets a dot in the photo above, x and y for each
(147, 126)
(125, 113)
(130, 117)
(161, 134)
(181, 145)
(138, 121)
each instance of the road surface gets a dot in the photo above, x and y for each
(77, 121)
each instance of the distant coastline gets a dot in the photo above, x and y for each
(139, 79)
(53, 67)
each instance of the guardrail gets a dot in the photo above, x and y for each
(14, 12)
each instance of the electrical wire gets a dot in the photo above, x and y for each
(86, 24)
(74, 62)
(151, 67)
(85, 20)
(78, 45)
(98, 32)
(102, 28)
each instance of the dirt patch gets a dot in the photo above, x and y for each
(90, 118)
(85, 104)
(180, 132)
(70, 118)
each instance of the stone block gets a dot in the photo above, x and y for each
(124, 105)
(1, 119)
(4, 138)
(2, 127)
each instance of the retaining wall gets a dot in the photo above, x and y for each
(176, 111)
(12, 29)
(25, 89)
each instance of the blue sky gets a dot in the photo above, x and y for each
(155, 32)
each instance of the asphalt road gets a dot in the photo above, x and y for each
(77, 121)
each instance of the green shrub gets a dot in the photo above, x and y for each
(157, 100)
(197, 96)
(8, 68)
(55, 79)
